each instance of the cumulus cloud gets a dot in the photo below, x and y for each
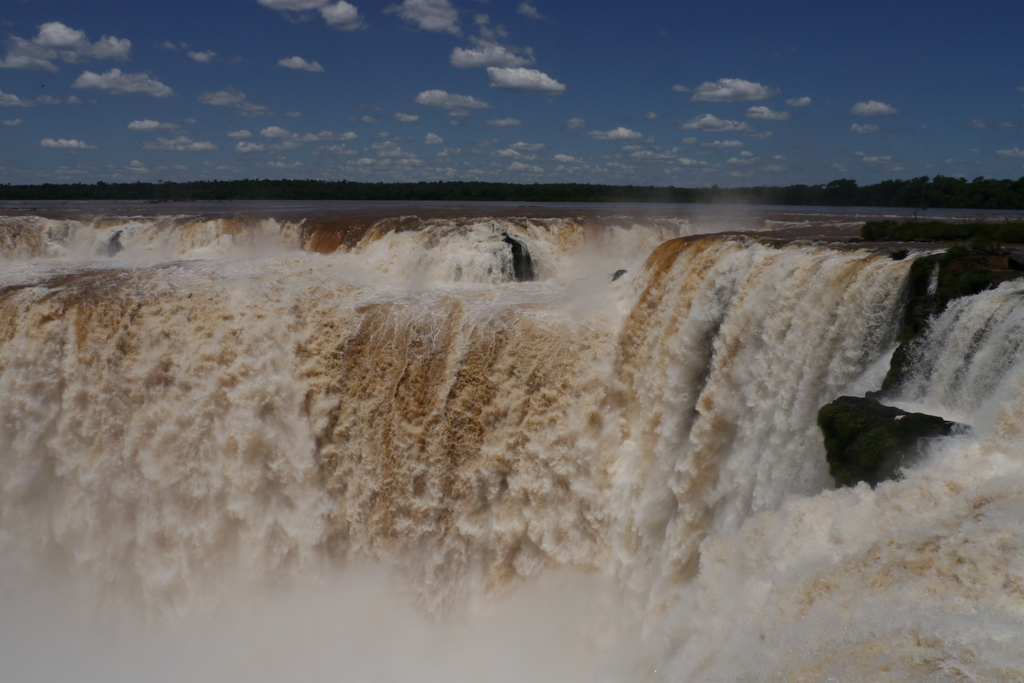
(118, 83)
(433, 139)
(147, 125)
(872, 108)
(523, 80)
(240, 135)
(528, 10)
(566, 159)
(864, 128)
(440, 98)
(12, 122)
(616, 135)
(342, 15)
(574, 124)
(179, 144)
(59, 41)
(9, 100)
(766, 114)
(503, 123)
(234, 98)
(713, 124)
(1015, 153)
(406, 118)
(799, 101)
(488, 54)
(429, 15)
(732, 90)
(294, 139)
(300, 64)
(202, 57)
(723, 144)
(248, 147)
(65, 144)
(520, 167)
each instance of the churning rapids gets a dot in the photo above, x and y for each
(282, 446)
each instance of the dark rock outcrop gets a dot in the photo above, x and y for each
(112, 245)
(871, 442)
(522, 264)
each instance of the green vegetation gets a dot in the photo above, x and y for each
(871, 442)
(981, 235)
(938, 192)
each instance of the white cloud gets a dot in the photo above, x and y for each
(342, 15)
(618, 134)
(223, 98)
(433, 139)
(652, 115)
(9, 100)
(65, 144)
(429, 15)
(681, 88)
(1014, 153)
(179, 144)
(290, 140)
(232, 97)
(872, 108)
(799, 101)
(334, 149)
(865, 128)
(505, 123)
(240, 135)
(58, 41)
(766, 114)
(520, 167)
(406, 118)
(523, 80)
(119, 83)
(440, 98)
(12, 122)
(875, 161)
(573, 124)
(528, 147)
(300, 64)
(248, 147)
(202, 57)
(566, 159)
(653, 155)
(713, 124)
(732, 90)
(149, 125)
(487, 54)
(723, 144)
(528, 10)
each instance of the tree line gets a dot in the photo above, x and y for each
(920, 193)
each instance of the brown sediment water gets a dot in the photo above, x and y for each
(236, 424)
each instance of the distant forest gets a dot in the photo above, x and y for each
(939, 192)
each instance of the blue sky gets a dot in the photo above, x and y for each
(664, 93)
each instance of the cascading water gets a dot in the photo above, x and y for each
(221, 409)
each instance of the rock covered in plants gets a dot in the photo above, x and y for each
(871, 442)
